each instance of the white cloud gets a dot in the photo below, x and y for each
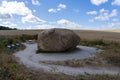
(5, 16)
(114, 24)
(68, 24)
(14, 7)
(32, 19)
(43, 26)
(8, 9)
(52, 10)
(115, 19)
(114, 13)
(98, 2)
(8, 24)
(111, 25)
(105, 15)
(62, 6)
(103, 11)
(59, 8)
(116, 2)
(92, 12)
(35, 2)
(63, 23)
(34, 10)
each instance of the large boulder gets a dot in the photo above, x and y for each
(57, 40)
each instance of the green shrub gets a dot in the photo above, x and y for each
(4, 41)
(93, 42)
(25, 37)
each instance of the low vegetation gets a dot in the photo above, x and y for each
(11, 70)
(111, 50)
(5, 42)
(91, 62)
(25, 37)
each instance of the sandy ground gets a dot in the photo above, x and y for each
(32, 60)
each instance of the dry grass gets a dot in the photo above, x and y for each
(18, 32)
(115, 30)
(91, 62)
(11, 70)
(111, 51)
(84, 34)
(98, 35)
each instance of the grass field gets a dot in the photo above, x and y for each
(116, 30)
(11, 70)
(84, 34)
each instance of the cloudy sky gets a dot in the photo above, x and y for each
(71, 14)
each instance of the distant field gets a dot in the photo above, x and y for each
(117, 30)
(84, 34)
(89, 34)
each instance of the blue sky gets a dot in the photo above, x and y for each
(71, 14)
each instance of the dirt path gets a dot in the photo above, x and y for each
(32, 60)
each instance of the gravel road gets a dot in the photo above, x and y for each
(32, 60)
